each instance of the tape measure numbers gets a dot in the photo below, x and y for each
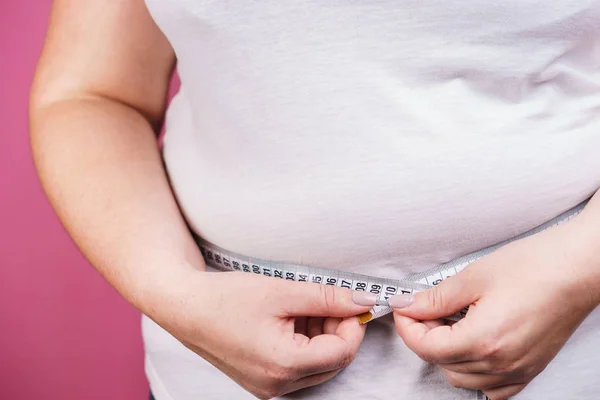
(384, 288)
(222, 259)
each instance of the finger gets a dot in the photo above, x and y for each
(315, 326)
(301, 325)
(311, 380)
(330, 325)
(436, 323)
(441, 345)
(477, 381)
(316, 300)
(504, 392)
(327, 352)
(470, 367)
(445, 299)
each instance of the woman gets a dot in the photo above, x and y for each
(381, 137)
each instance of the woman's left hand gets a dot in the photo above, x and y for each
(526, 299)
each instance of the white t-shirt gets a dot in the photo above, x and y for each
(383, 137)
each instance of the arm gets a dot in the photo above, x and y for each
(526, 298)
(97, 101)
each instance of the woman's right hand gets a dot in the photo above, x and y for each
(269, 335)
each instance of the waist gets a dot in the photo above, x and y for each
(387, 239)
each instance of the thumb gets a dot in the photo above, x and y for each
(449, 297)
(317, 300)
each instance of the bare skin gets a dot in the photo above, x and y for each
(97, 102)
(526, 300)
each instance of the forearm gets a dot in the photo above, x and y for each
(100, 166)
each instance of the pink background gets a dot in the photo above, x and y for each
(64, 333)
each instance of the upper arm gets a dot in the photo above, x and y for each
(112, 49)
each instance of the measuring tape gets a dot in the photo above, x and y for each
(222, 259)
(225, 260)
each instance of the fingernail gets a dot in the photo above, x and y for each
(401, 301)
(364, 298)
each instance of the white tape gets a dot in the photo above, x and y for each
(222, 259)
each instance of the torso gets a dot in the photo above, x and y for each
(382, 137)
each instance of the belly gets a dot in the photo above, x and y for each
(373, 204)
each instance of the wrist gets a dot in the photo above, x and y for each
(162, 286)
